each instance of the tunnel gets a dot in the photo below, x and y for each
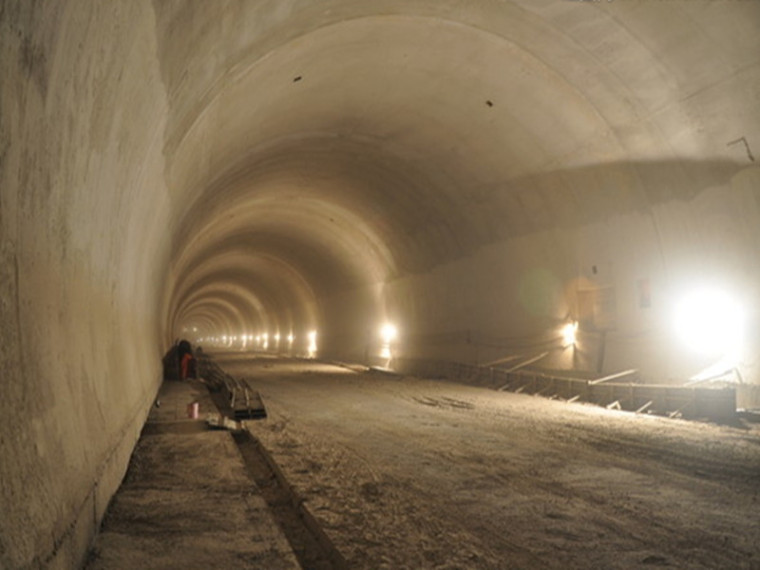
(291, 176)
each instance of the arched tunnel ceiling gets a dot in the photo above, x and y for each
(347, 146)
(258, 286)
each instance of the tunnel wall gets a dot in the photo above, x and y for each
(532, 283)
(82, 201)
(512, 297)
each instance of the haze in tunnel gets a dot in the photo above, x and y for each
(480, 175)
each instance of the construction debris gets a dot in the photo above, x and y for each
(243, 402)
(218, 421)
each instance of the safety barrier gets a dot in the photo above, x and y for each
(673, 401)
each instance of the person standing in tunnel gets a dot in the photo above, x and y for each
(186, 360)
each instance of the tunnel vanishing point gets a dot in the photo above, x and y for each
(480, 175)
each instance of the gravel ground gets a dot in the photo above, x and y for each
(416, 473)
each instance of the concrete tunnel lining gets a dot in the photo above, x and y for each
(278, 287)
(482, 165)
(442, 228)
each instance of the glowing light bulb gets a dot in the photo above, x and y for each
(710, 322)
(388, 333)
(312, 349)
(569, 333)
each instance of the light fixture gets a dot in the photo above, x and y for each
(569, 334)
(710, 322)
(388, 333)
(312, 349)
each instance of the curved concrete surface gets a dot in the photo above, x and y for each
(478, 174)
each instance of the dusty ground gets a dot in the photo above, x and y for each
(412, 473)
(187, 500)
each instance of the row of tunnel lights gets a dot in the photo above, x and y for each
(388, 334)
(262, 340)
(706, 321)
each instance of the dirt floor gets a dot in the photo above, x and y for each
(415, 473)
(187, 500)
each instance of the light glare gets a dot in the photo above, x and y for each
(710, 322)
(388, 333)
(312, 344)
(569, 333)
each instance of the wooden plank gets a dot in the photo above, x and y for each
(527, 362)
(503, 360)
(521, 365)
(614, 376)
(697, 380)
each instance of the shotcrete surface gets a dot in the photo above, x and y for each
(414, 473)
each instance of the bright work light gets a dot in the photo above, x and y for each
(710, 322)
(388, 333)
(568, 333)
(312, 349)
